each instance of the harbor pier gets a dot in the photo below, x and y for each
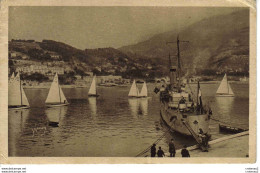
(236, 145)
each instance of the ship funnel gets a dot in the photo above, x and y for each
(173, 75)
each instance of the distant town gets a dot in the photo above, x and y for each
(38, 62)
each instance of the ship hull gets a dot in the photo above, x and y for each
(174, 120)
(53, 124)
(224, 95)
(93, 95)
(56, 105)
(18, 108)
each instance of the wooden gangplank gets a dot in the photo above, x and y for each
(195, 136)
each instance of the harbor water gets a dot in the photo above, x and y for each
(111, 125)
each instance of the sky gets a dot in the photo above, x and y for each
(97, 27)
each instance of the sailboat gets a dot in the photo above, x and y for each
(93, 89)
(224, 89)
(16, 96)
(134, 92)
(56, 96)
(143, 92)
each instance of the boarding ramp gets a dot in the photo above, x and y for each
(195, 136)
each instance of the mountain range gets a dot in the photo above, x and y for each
(216, 44)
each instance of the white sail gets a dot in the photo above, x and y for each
(133, 90)
(16, 94)
(11, 78)
(56, 94)
(143, 91)
(93, 88)
(224, 87)
(230, 91)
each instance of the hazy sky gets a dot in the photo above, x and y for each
(93, 27)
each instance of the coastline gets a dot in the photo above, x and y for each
(85, 86)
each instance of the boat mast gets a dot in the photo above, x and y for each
(59, 88)
(21, 91)
(227, 83)
(179, 62)
(170, 61)
(59, 94)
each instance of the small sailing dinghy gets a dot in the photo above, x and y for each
(224, 89)
(134, 92)
(93, 88)
(143, 92)
(16, 96)
(56, 96)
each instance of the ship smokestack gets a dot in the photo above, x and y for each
(173, 75)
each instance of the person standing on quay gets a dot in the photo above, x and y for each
(160, 152)
(185, 152)
(172, 149)
(153, 150)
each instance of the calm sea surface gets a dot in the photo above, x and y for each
(112, 124)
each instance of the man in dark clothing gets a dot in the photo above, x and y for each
(153, 150)
(185, 152)
(160, 152)
(172, 149)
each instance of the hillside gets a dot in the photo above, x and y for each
(101, 61)
(217, 44)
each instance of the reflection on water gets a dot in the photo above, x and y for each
(134, 106)
(138, 106)
(110, 125)
(16, 128)
(56, 114)
(93, 106)
(226, 105)
(144, 106)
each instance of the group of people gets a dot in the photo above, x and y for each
(172, 151)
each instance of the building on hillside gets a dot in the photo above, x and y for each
(13, 55)
(42, 69)
(67, 69)
(54, 55)
(58, 70)
(109, 79)
(25, 57)
(89, 73)
(88, 79)
(78, 77)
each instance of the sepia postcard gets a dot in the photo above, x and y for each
(128, 82)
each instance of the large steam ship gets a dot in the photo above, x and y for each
(180, 108)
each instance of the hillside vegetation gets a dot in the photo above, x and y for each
(219, 43)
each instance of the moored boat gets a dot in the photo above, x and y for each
(144, 91)
(56, 96)
(230, 129)
(134, 92)
(93, 89)
(224, 89)
(181, 109)
(16, 96)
